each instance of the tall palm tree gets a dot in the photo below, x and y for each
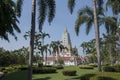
(10, 11)
(71, 4)
(45, 8)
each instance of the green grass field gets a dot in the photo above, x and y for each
(82, 74)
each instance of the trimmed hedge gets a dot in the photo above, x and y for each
(59, 67)
(115, 68)
(93, 65)
(86, 67)
(108, 69)
(43, 70)
(69, 73)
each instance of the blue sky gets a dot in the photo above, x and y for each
(63, 19)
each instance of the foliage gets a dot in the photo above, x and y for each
(93, 65)
(69, 72)
(81, 75)
(115, 68)
(59, 67)
(9, 18)
(13, 57)
(60, 62)
(108, 69)
(43, 70)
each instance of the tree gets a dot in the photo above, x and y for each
(57, 47)
(46, 7)
(10, 12)
(88, 17)
(114, 5)
(71, 4)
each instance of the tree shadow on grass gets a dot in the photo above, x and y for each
(105, 78)
(85, 77)
(46, 78)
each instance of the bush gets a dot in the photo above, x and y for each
(41, 70)
(2, 68)
(86, 67)
(108, 69)
(58, 67)
(102, 78)
(117, 68)
(40, 64)
(93, 65)
(69, 72)
(23, 68)
(87, 76)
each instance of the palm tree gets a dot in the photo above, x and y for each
(57, 47)
(46, 7)
(43, 35)
(115, 5)
(10, 11)
(71, 4)
(96, 17)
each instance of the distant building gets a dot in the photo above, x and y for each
(66, 55)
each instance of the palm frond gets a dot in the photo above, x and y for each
(110, 24)
(85, 11)
(42, 7)
(79, 22)
(51, 10)
(19, 4)
(71, 5)
(89, 23)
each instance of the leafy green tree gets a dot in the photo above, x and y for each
(10, 11)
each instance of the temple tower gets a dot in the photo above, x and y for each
(66, 42)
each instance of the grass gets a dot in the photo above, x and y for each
(82, 74)
(59, 75)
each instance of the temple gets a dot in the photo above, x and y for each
(68, 55)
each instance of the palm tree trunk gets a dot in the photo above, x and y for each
(32, 39)
(97, 36)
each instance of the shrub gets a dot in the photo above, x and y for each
(102, 78)
(108, 69)
(40, 64)
(2, 68)
(40, 70)
(87, 76)
(58, 67)
(117, 68)
(86, 67)
(93, 65)
(69, 72)
(23, 68)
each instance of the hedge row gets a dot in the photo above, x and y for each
(41, 70)
(115, 68)
(69, 72)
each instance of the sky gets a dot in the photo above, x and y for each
(63, 19)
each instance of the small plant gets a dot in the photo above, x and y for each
(69, 73)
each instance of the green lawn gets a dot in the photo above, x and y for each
(82, 74)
